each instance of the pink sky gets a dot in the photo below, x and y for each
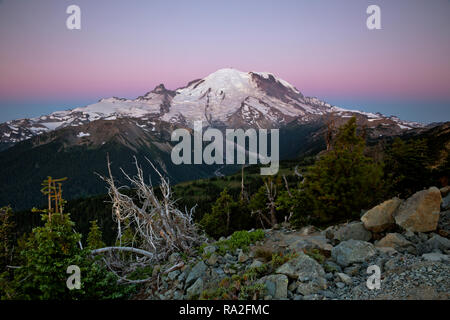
(127, 48)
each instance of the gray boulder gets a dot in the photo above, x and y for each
(195, 290)
(438, 242)
(301, 268)
(353, 230)
(352, 251)
(197, 271)
(312, 287)
(276, 285)
(446, 202)
(436, 257)
(444, 223)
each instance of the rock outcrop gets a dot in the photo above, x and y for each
(352, 251)
(406, 239)
(420, 212)
(353, 230)
(381, 217)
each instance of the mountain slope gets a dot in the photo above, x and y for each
(75, 142)
(226, 98)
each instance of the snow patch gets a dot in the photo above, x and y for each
(82, 134)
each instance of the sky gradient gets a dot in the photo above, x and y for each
(127, 47)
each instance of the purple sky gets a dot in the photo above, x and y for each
(127, 47)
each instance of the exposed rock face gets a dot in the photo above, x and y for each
(381, 217)
(276, 285)
(394, 240)
(353, 230)
(302, 268)
(420, 213)
(352, 251)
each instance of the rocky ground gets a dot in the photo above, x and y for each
(407, 239)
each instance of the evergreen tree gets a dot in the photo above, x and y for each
(226, 216)
(94, 239)
(263, 203)
(406, 167)
(46, 254)
(217, 223)
(6, 237)
(342, 181)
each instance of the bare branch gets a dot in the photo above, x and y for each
(157, 225)
(127, 249)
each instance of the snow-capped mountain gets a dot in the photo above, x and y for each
(225, 98)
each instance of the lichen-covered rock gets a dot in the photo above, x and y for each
(420, 212)
(352, 251)
(381, 217)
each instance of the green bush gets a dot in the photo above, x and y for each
(45, 256)
(240, 240)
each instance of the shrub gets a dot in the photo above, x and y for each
(240, 240)
(316, 254)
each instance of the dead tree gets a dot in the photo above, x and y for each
(158, 226)
(244, 194)
(329, 133)
(271, 194)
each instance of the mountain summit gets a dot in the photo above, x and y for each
(226, 98)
